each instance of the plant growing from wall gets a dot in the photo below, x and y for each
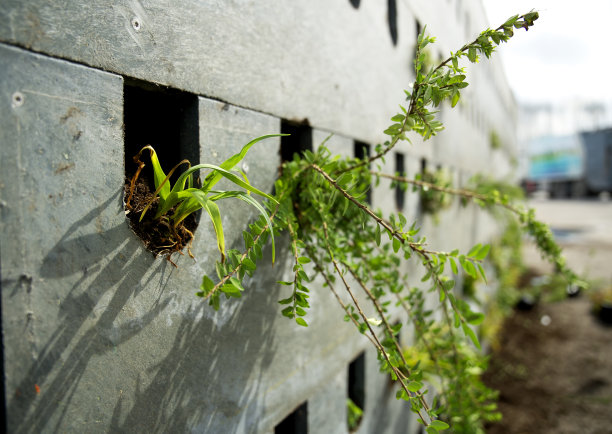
(174, 203)
(494, 140)
(320, 202)
(433, 200)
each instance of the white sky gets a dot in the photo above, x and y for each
(566, 55)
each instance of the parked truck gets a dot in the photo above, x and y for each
(573, 165)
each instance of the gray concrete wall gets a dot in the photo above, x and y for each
(99, 336)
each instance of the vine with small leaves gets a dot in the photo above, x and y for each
(320, 202)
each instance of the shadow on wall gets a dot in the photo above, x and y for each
(179, 380)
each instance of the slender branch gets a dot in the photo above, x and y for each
(416, 247)
(468, 194)
(400, 375)
(331, 287)
(380, 312)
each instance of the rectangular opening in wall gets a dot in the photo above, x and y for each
(356, 391)
(295, 423)
(419, 29)
(362, 150)
(166, 119)
(423, 170)
(299, 140)
(398, 336)
(400, 189)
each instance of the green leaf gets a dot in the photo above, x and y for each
(248, 264)
(288, 312)
(188, 204)
(396, 245)
(158, 174)
(214, 301)
(474, 250)
(469, 269)
(236, 283)
(303, 260)
(378, 234)
(455, 99)
(207, 285)
(482, 272)
(231, 291)
(248, 199)
(215, 216)
(214, 177)
(415, 386)
(439, 425)
(301, 322)
(431, 430)
(470, 334)
(224, 173)
(482, 252)
(449, 285)
(248, 239)
(453, 265)
(476, 318)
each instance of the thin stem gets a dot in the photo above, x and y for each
(331, 287)
(412, 106)
(244, 255)
(454, 191)
(380, 312)
(416, 247)
(400, 375)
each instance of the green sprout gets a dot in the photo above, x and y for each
(176, 202)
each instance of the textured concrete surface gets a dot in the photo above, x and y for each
(332, 64)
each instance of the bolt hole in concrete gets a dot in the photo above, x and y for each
(167, 120)
(18, 99)
(136, 24)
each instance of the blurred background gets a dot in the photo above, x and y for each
(559, 73)
(553, 364)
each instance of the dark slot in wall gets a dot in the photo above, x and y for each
(166, 119)
(419, 29)
(356, 381)
(4, 425)
(400, 189)
(392, 20)
(423, 170)
(295, 423)
(362, 150)
(298, 141)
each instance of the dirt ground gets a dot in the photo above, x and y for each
(555, 378)
(554, 366)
